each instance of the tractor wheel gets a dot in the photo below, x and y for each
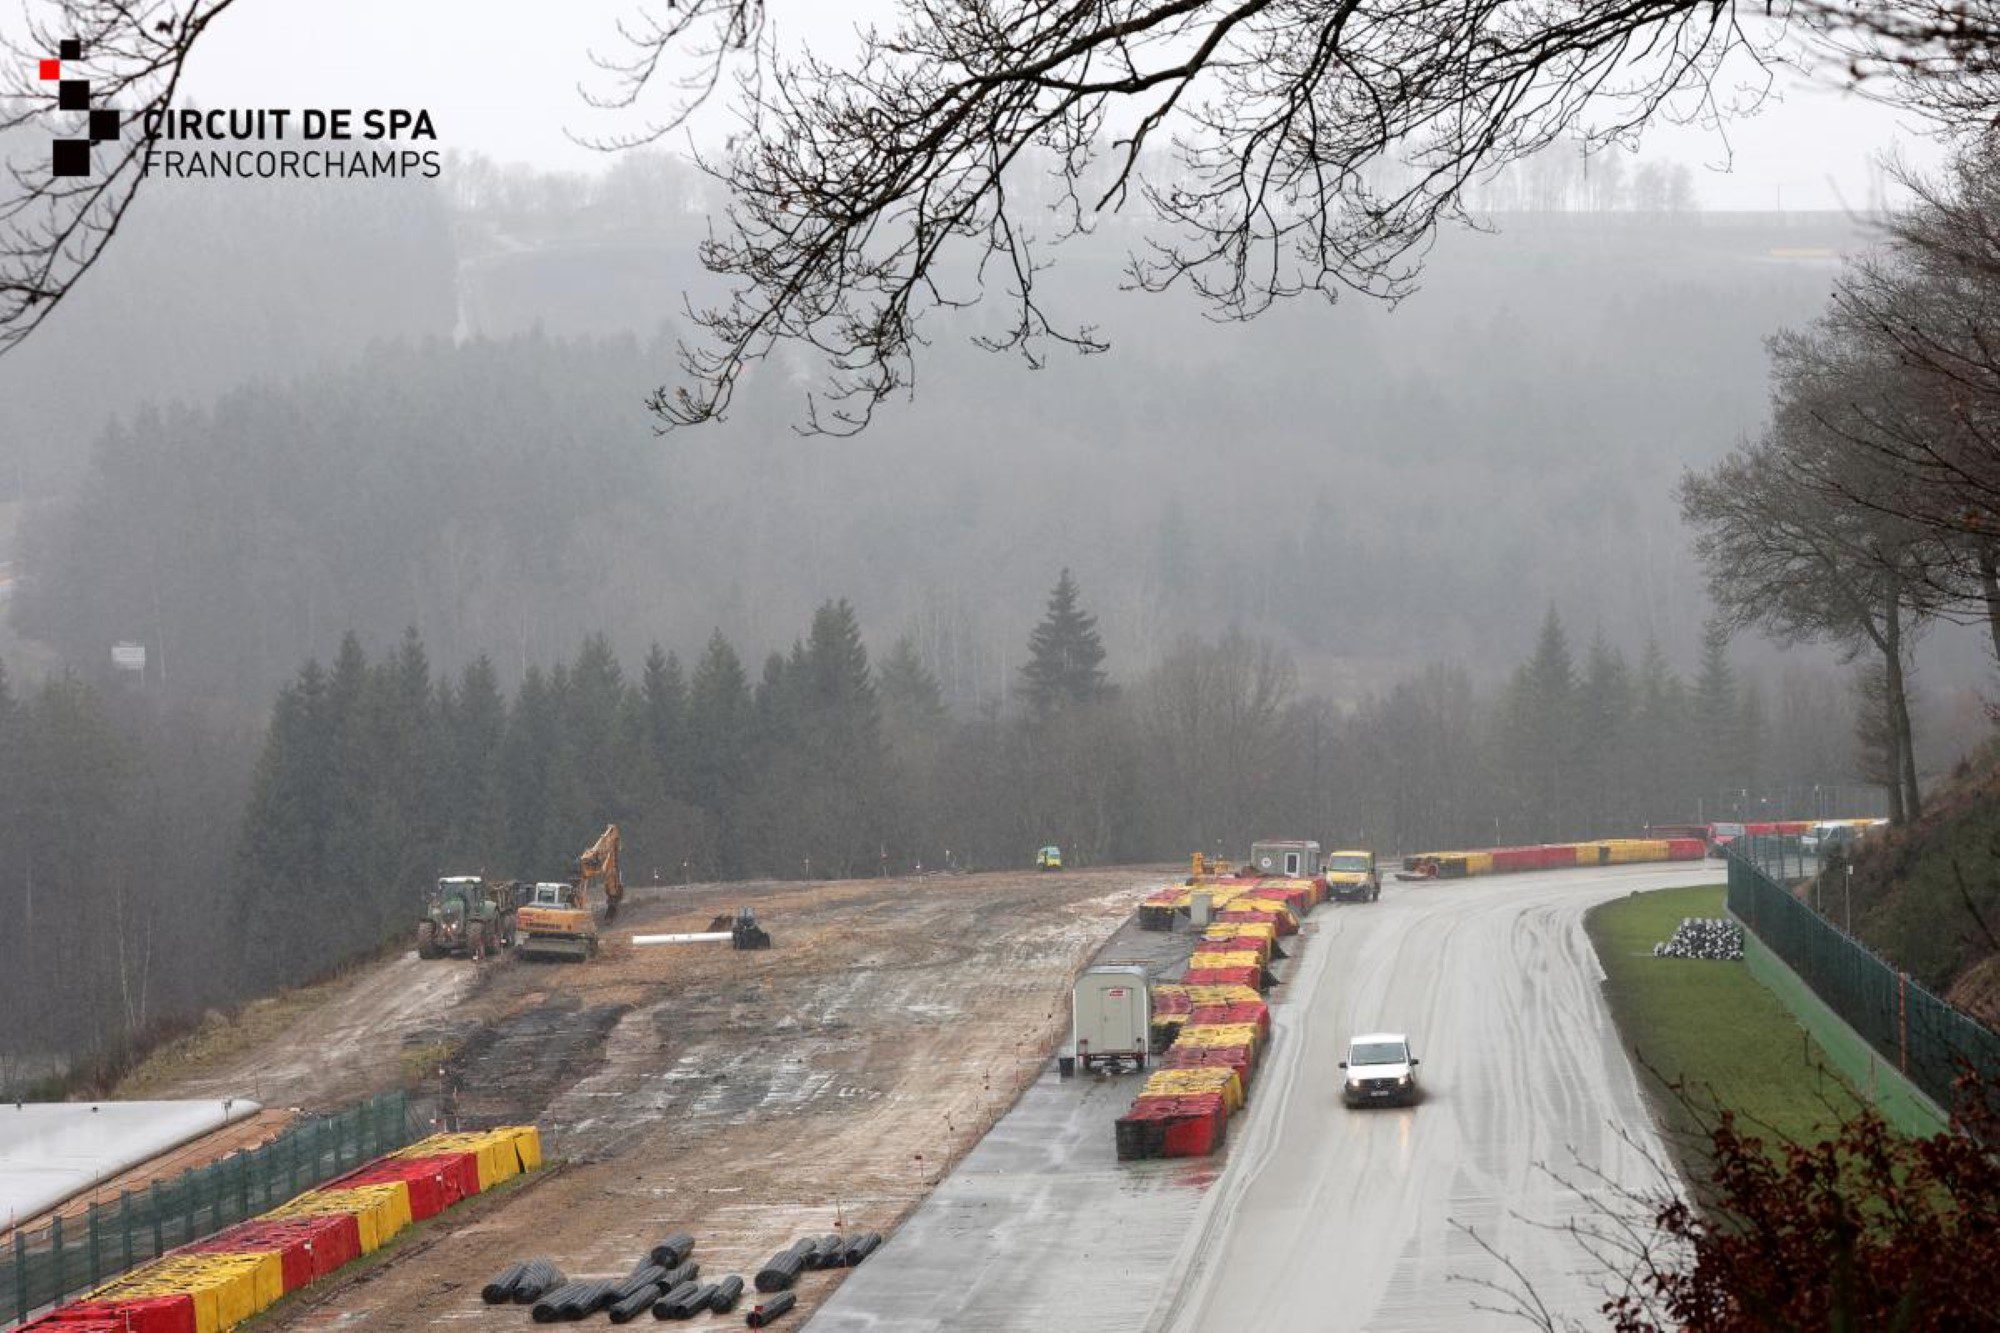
(427, 939)
(475, 941)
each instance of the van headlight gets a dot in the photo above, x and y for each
(1403, 1082)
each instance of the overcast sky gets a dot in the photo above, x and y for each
(501, 79)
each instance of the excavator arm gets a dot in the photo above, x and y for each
(599, 866)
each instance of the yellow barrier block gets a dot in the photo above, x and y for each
(226, 1289)
(1243, 930)
(1631, 851)
(1221, 994)
(1205, 961)
(527, 1144)
(151, 1280)
(381, 1211)
(1186, 1082)
(1219, 1034)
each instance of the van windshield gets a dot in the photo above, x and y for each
(1378, 1053)
(1347, 864)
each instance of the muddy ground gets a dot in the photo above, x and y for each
(749, 1098)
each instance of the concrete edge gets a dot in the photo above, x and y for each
(1898, 1099)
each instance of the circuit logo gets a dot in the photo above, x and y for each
(72, 156)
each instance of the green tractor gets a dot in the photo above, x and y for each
(466, 915)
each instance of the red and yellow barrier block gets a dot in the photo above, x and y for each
(216, 1283)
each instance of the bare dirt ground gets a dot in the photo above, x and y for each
(749, 1098)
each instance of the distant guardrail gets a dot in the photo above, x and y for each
(1931, 1041)
(42, 1265)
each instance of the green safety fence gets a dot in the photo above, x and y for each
(1929, 1040)
(42, 1265)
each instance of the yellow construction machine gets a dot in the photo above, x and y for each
(556, 920)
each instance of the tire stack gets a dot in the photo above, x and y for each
(1713, 939)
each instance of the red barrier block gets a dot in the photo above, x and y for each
(1286, 923)
(1211, 1057)
(1215, 1014)
(133, 1314)
(309, 1248)
(1226, 976)
(1686, 849)
(435, 1183)
(1299, 900)
(1170, 1004)
(1195, 1124)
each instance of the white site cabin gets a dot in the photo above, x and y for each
(1112, 1015)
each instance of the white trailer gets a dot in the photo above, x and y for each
(1112, 1016)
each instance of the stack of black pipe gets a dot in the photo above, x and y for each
(784, 1267)
(575, 1300)
(727, 1293)
(687, 1301)
(673, 1251)
(637, 1292)
(860, 1247)
(763, 1312)
(523, 1282)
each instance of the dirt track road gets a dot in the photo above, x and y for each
(1524, 1075)
(746, 1097)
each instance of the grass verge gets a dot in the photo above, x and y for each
(1710, 1027)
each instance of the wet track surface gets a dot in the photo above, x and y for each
(1318, 1217)
(1398, 1218)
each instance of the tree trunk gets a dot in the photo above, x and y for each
(1908, 799)
(1989, 585)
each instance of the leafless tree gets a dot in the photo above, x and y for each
(1283, 147)
(53, 227)
(1931, 304)
(1785, 549)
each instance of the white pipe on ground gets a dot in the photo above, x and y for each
(703, 937)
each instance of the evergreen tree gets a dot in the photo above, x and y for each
(533, 728)
(1539, 734)
(664, 716)
(283, 849)
(1715, 722)
(1065, 654)
(478, 731)
(1660, 756)
(912, 699)
(1604, 710)
(719, 733)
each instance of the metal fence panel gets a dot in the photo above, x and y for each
(47, 1264)
(1928, 1039)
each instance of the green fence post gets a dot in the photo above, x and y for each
(56, 1258)
(21, 1306)
(125, 1223)
(158, 1209)
(91, 1245)
(1903, 1022)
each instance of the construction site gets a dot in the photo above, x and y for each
(749, 1096)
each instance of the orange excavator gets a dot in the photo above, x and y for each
(557, 921)
(599, 866)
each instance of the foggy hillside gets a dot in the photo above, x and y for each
(1506, 440)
